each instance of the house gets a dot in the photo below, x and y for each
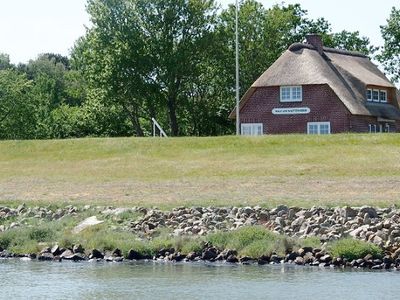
(318, 90)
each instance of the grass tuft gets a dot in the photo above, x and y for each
(253, 241)
(353, 249)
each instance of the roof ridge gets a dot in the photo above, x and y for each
(298, 46)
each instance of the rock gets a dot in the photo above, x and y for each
(75, 257)
(232, 259)
(191, 256)
(78, 249)
(209, 254)
(369, 210)
(326, 258)
(263, 216)
(377, 240)
(117, 253)
(248, 210)
(348, 212)
(92, 221)
(165, 252)
(45, 250)
(245, 259)
(291, 256)
(118, 259)
(55, 250)
(263, 260)
(304, 250)
(178, 232)
(299, 260)
(275, 259)
(66, 254)
(366, 220)
(396, 254)
(134, 255)
(276, 210)
(368, 257)
(96, 254)
(46, 256)
(21, 208)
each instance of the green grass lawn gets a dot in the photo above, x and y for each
(293, 169)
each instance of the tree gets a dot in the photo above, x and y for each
(143, 52)
(4, 61)
(18, 108)
(352, 41)
(390, 56)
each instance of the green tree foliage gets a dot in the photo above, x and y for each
(4, 61)
(352, 41)
(390, 56)
(18, 110)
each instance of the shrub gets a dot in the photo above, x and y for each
(353, 249)
(253, 241)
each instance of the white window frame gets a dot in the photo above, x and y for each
(369, 99)
(375, 100)
(381, 100)
(318, 124)
(372, 128)
(254, 129)
(292, 89)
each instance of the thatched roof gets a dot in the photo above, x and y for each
(347, 73)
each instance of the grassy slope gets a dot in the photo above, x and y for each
(294, 169)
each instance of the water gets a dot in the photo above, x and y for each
(41, 280)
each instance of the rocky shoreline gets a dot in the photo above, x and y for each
(377, 226)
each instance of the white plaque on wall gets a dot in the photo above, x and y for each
(291, 111)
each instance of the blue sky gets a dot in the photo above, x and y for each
(31, 27)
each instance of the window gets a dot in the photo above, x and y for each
(291, 94)
(375, 95)
(372, 128)
(369, 95)
(252, 129)
(318, 127)
(383, 96)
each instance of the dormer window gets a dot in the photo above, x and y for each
(291, 94)
(369, 95)
(376, 95)
(383, 96)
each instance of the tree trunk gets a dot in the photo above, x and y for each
(172, 115)
(133, 117)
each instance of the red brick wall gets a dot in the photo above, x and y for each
(360, 123)
(322, 101)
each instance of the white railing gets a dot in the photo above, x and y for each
(157, 126)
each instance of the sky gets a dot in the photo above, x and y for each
(31, 27)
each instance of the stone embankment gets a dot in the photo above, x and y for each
(378, 226)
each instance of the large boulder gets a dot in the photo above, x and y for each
(368, 210)
(92, 221)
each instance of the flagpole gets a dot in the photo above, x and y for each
(237, 70)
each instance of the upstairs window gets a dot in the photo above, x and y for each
(382, 96)
(377, 95)
(291, 94)
(369, 95)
